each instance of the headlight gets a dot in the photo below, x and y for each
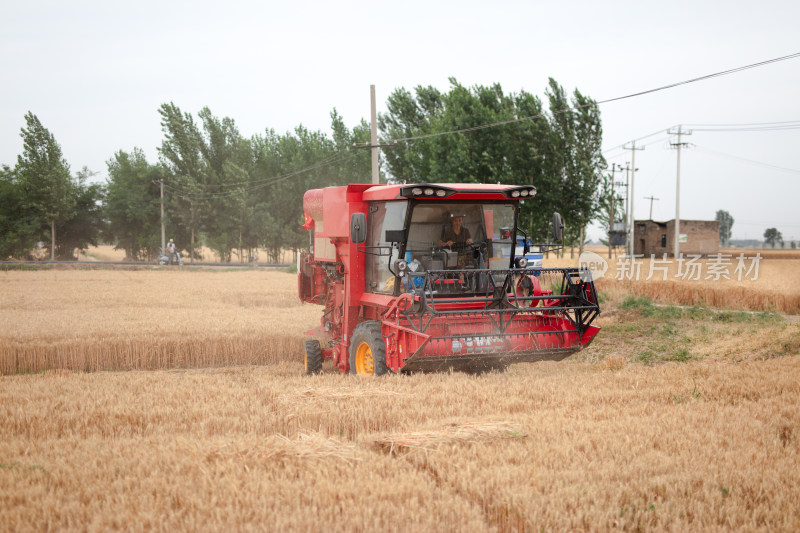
(429, 192)
(416, 191)
(515, 194)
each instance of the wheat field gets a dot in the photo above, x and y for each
(89, 320)
(107, 252)
(674, 419)
(773, 284)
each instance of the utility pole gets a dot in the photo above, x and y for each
(633, 150)
(677, 146)
(612, 201)
(627, 199)
(374, 137)
(163, 233)
(651, 198)
(620, 183)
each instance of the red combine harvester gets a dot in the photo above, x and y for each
(424, 277)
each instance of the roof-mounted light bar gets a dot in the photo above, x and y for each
(425, 190)
(526, 191)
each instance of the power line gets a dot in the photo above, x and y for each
(740, 124)
(606, 101)
(270, 181)
(774, 224)
(189, 195)
(759, 128)
(662, 130)
(313, 166)
(755, 126)
(751, 161)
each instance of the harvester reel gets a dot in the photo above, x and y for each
(368, 350)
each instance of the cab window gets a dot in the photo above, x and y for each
(383, 217)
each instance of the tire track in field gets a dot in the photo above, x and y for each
(412, 448)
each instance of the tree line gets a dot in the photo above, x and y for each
(236, 194)
(556, 148)
(230, 193)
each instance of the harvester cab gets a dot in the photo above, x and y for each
(428, 277)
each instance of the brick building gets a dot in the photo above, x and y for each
(657, 238)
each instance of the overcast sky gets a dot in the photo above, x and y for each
(95, 73)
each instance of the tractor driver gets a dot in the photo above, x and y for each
(456, 236)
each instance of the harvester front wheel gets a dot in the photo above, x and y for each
(368, 350)
(313, 357)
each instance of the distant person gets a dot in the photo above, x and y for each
(172, 252)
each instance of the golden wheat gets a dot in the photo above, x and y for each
(148, 319)
(554, 446)
(107, 252)
(776, 288)
(597, 443)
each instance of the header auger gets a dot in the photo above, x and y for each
(425, 277)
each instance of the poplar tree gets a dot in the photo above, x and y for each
(725, 224)
(559, 152)
(44, 177)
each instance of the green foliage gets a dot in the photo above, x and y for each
(772, 237)
(182, 156)
(44, 176)
(648, 309)
(610, 205)
(558, 152)
(40, 197)
(132, 205)
(236, 194)
(689, 395)
(245, 193)
(84, 227)
(662, 333)
(725, 224)
(19, 229)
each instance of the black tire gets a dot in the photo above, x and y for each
(368, 350)
(313, 357)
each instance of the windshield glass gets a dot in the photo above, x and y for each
(452, 235)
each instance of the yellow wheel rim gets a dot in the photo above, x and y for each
(305, 360)
(363, 359)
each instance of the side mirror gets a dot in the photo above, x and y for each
(526, 247)
(558, 228)
(358, 228)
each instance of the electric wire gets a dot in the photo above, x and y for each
(662, 130)
(599, 102)
(754, 126)
(751, 161)
(762, 128)
(183, 193)
(269, 181)
(741, 124)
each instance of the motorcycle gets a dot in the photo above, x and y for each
(164, 259)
